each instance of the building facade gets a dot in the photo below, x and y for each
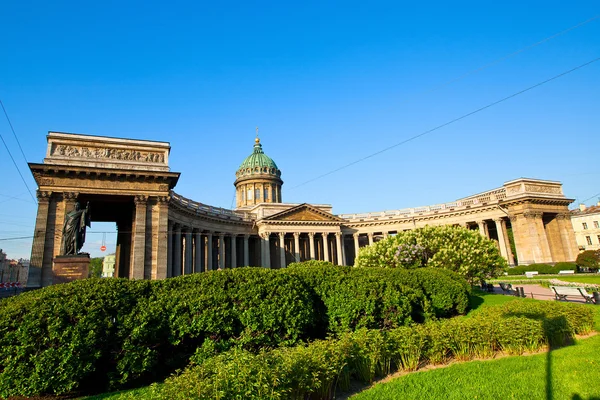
(163, 234)
(586, 224)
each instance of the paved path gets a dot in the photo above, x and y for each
(538, 292)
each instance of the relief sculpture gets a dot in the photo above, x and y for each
(542, 189)
(108, 153)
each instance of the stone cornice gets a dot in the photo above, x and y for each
(43, 172)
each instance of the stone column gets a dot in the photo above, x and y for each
(338, 245)
(209, 251)
(385, 235)
(530, 238)
(198, 247)
(481, 224)
(233, 250)
(567, 236)
(139, 238)
(163, 234)
(221, 250)
(188, 251)
(282, 249)
(325, 247)
(511, 256)
(356, 245)
(370, 236)
(34, 278)
(311, 240)
(265, 249)
(170, 250)
(501, 239)
(246, 251)
(297, 246)
(177, 267)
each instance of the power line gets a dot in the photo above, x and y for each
(13, 160)
(506, 57)
(13, 131)
(448, 123)
(596, 195)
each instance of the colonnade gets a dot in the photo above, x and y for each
(192, 250)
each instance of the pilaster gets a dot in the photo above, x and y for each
(138, 251)
(34, 277)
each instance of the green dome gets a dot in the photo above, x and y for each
(258, 163)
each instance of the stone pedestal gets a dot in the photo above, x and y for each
(69, 268)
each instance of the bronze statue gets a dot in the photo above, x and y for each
(74, 230)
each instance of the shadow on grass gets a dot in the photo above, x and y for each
(578, 397)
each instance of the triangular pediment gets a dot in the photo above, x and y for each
(304, 212)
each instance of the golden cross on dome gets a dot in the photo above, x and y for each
(257, 140)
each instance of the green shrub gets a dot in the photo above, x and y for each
(543, 269)
(453, 248)
(113, 333)
(589, 260)
(67, 337)
(316, 370)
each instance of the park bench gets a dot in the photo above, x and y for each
(565, 272)
(561, 293)
(530, 274)
(506, 287)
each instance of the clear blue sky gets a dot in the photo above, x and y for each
(326, 82)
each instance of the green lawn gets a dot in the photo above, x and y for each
(581, 279)
(568, 373)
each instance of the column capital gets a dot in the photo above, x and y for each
(338, 234)
(177, 226)
(356, 234)
(296, 234)
(370, 234)
(565, 216)
(281, 234)
(533, 214)
(246, 236)
(498, 220)
(163, 199)
(311, 235)
(140, 199)
(480, 222)
(70, 195)
(513, 218)
(234, 235)
(221, 235)
(43, 195)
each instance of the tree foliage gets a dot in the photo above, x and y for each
(454, 248)
(589, 259)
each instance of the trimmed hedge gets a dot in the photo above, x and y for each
(543, 269)
(316, 370)
(101, 334)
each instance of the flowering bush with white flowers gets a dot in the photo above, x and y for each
(449, 247)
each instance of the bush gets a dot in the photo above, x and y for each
(543, 269)
(589, 260)
(112, 333)
(66, 337)
(315, 370)
(453, 248)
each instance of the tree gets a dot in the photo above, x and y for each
(458, 249)
(589, 259)
(96, 267)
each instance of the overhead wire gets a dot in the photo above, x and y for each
(448, 122)
(506, 57)
(13, 159)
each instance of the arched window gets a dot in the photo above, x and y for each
(266, 194)
(249, 194)
(257, 194)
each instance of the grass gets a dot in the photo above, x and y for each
(568, 373)
(581, 279)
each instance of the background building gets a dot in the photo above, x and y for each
(586, 224)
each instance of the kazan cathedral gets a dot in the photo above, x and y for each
(162, 234)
